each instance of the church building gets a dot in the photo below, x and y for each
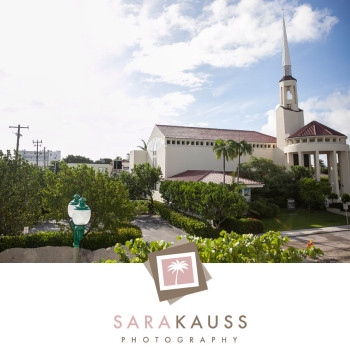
(187, 152)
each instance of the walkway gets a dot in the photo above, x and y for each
(334, 242)
(154, 228)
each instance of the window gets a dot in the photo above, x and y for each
(207, 143)
(201, 143)
(183, 142)
(173, 142)
(268, 146)
(253, 145)
(192, 143)
(168, 142)
(211, 143)
(197, 143)
(188, 142)
(177, 142)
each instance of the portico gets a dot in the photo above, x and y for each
(316, 139)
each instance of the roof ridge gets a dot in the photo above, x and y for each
(199, 127)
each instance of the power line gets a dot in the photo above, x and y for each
(37, 143)
(18, 133)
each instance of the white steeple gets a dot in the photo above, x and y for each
(286, 65)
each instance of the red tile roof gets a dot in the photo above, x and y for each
(189, 132)
(211, 176)
(315, 129)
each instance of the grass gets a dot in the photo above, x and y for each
(302, 219)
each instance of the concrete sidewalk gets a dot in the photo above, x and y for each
(315, 231)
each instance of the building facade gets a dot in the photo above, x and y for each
(44, 158)
(177, 149)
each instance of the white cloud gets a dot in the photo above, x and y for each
(333, 111)
(67, 68)
(225, 35)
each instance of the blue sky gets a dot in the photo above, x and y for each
(94, 77)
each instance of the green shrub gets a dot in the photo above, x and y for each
(94, 240)
(345, 197)
(333, 195)
(336, 205)
(228, 248)
(141, 207)
(244, 225)
(188, 224)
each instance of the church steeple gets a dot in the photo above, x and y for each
(288, 85)
(286, 64)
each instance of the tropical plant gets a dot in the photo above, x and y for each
(345, 197)
(271, 247)
(144, 146)
(300, 172)
(177, 266)
(242, 148)
(225, 149)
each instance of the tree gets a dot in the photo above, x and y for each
(144, 147)
(242, 148)
(219, 203)
(77, 159)
(107, 197)
(178, 266)
(225, 149)
(148, 177)
(311, 192)
(132, 184)
(278, 183)
(300, 172)
(20, 194)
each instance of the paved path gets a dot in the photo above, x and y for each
(334, 241)
(154, 228)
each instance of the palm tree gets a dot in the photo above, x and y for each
(178, 266)
(144, 147)
(242, 148)
(225, 149)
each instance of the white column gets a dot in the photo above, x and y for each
(289, 160)
(301, 158)
(335, 182)
(317, 166)
(344, 172)
(329, 166)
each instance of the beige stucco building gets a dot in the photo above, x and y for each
(177, 149)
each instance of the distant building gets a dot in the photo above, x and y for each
(43, 159)
(96, 167)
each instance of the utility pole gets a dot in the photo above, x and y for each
(37, 143)
(18, 133)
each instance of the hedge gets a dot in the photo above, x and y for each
(94, 240)
(199, 228)
(244, 225)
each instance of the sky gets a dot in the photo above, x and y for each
(92, 78)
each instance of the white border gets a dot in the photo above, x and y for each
(192, 255)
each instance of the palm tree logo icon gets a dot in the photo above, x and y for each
(177, 266)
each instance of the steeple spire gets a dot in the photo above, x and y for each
(286, 65)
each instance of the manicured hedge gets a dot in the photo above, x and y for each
(199, 228)
(244, 225)
(93, 241)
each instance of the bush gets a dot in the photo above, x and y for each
(244, 225)
(345, 198)
(93, 241)
(228, 248)
(263, 208)
(203, 229)
(141, 207)
(336, 205)
(333, 195)
(188, 224)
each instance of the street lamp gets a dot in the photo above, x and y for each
(72, 205)
(81, 214)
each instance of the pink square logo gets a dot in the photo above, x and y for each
(177, 271)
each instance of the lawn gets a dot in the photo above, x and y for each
(299, 219)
